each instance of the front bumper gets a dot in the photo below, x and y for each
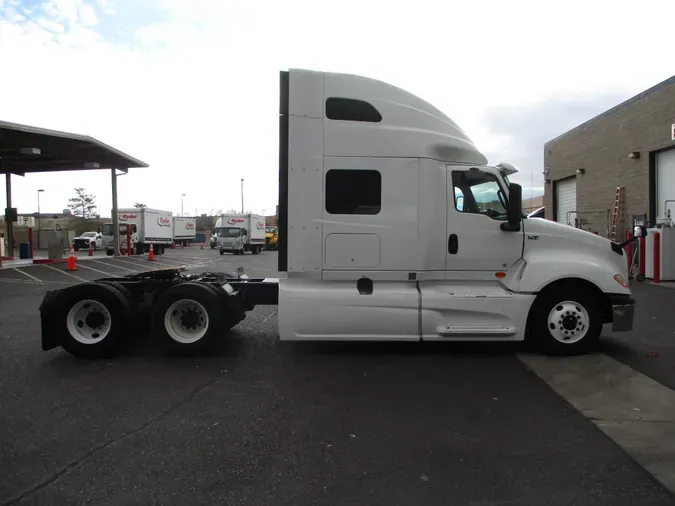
(81, 243)
(623, 312)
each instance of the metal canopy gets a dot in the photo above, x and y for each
(25, 149)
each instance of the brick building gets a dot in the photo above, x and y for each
(632, 146)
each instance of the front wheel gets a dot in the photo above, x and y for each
(565, 321)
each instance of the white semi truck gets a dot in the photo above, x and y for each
(148, 226)
(239, 233)
(184, 230)
(392, 227)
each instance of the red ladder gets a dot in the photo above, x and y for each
(615, 216)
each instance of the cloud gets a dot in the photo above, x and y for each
(192, 87)
(522, 131)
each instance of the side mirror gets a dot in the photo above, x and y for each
(639, 231)
(514, 209)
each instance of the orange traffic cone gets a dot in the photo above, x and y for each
(70, 266)
(182, 245)
(151, 254)
(202, 246)
(173, 245)
(91, 251)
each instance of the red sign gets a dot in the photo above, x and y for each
(125, 217)
(234, 221)
(163, 222)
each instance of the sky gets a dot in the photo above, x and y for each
(191, 86)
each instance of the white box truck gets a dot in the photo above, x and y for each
(148, 226)
(238, 233)
(392, 227)
(184, 230)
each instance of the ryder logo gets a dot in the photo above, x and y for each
(127, 217)
(190, 226)
(163, 222)
(235, 221)
(260, 225)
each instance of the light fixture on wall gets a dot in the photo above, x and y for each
(634, 155)
(581, 171)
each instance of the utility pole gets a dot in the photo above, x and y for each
(181, 204)
(242, 196)
(38, 217)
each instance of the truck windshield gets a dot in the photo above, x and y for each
(270, 230)
(478, 192)
(228, 232)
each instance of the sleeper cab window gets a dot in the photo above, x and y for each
(353, 192)
(350, 109)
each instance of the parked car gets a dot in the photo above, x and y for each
(539, 213)
(82, 241)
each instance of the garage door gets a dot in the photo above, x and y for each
(566, 200)
(665, 183)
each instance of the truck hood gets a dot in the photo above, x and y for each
(564, 238)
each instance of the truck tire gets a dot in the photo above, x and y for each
(222, 252)
(94, 320)
(565, 321)
(189, 317)
(254, 250)
(109, 252)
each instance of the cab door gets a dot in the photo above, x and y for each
(476, 209)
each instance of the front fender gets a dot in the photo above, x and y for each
(538, 271)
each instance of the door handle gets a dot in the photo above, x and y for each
(453, 244)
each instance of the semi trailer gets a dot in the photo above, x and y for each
(392, 227)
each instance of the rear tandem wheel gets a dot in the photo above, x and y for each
(93, 320)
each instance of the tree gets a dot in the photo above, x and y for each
(82, 205)
(138, 205)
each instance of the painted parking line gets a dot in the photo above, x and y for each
(100, 272)
(127, 262)
(64, 272)
(109, 264)
(146, 262)
(26, 274)
(33, 283)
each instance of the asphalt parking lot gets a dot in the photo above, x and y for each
(262, 422)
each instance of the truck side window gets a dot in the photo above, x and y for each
(244, 232)
(353, 192)
(478, 192)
